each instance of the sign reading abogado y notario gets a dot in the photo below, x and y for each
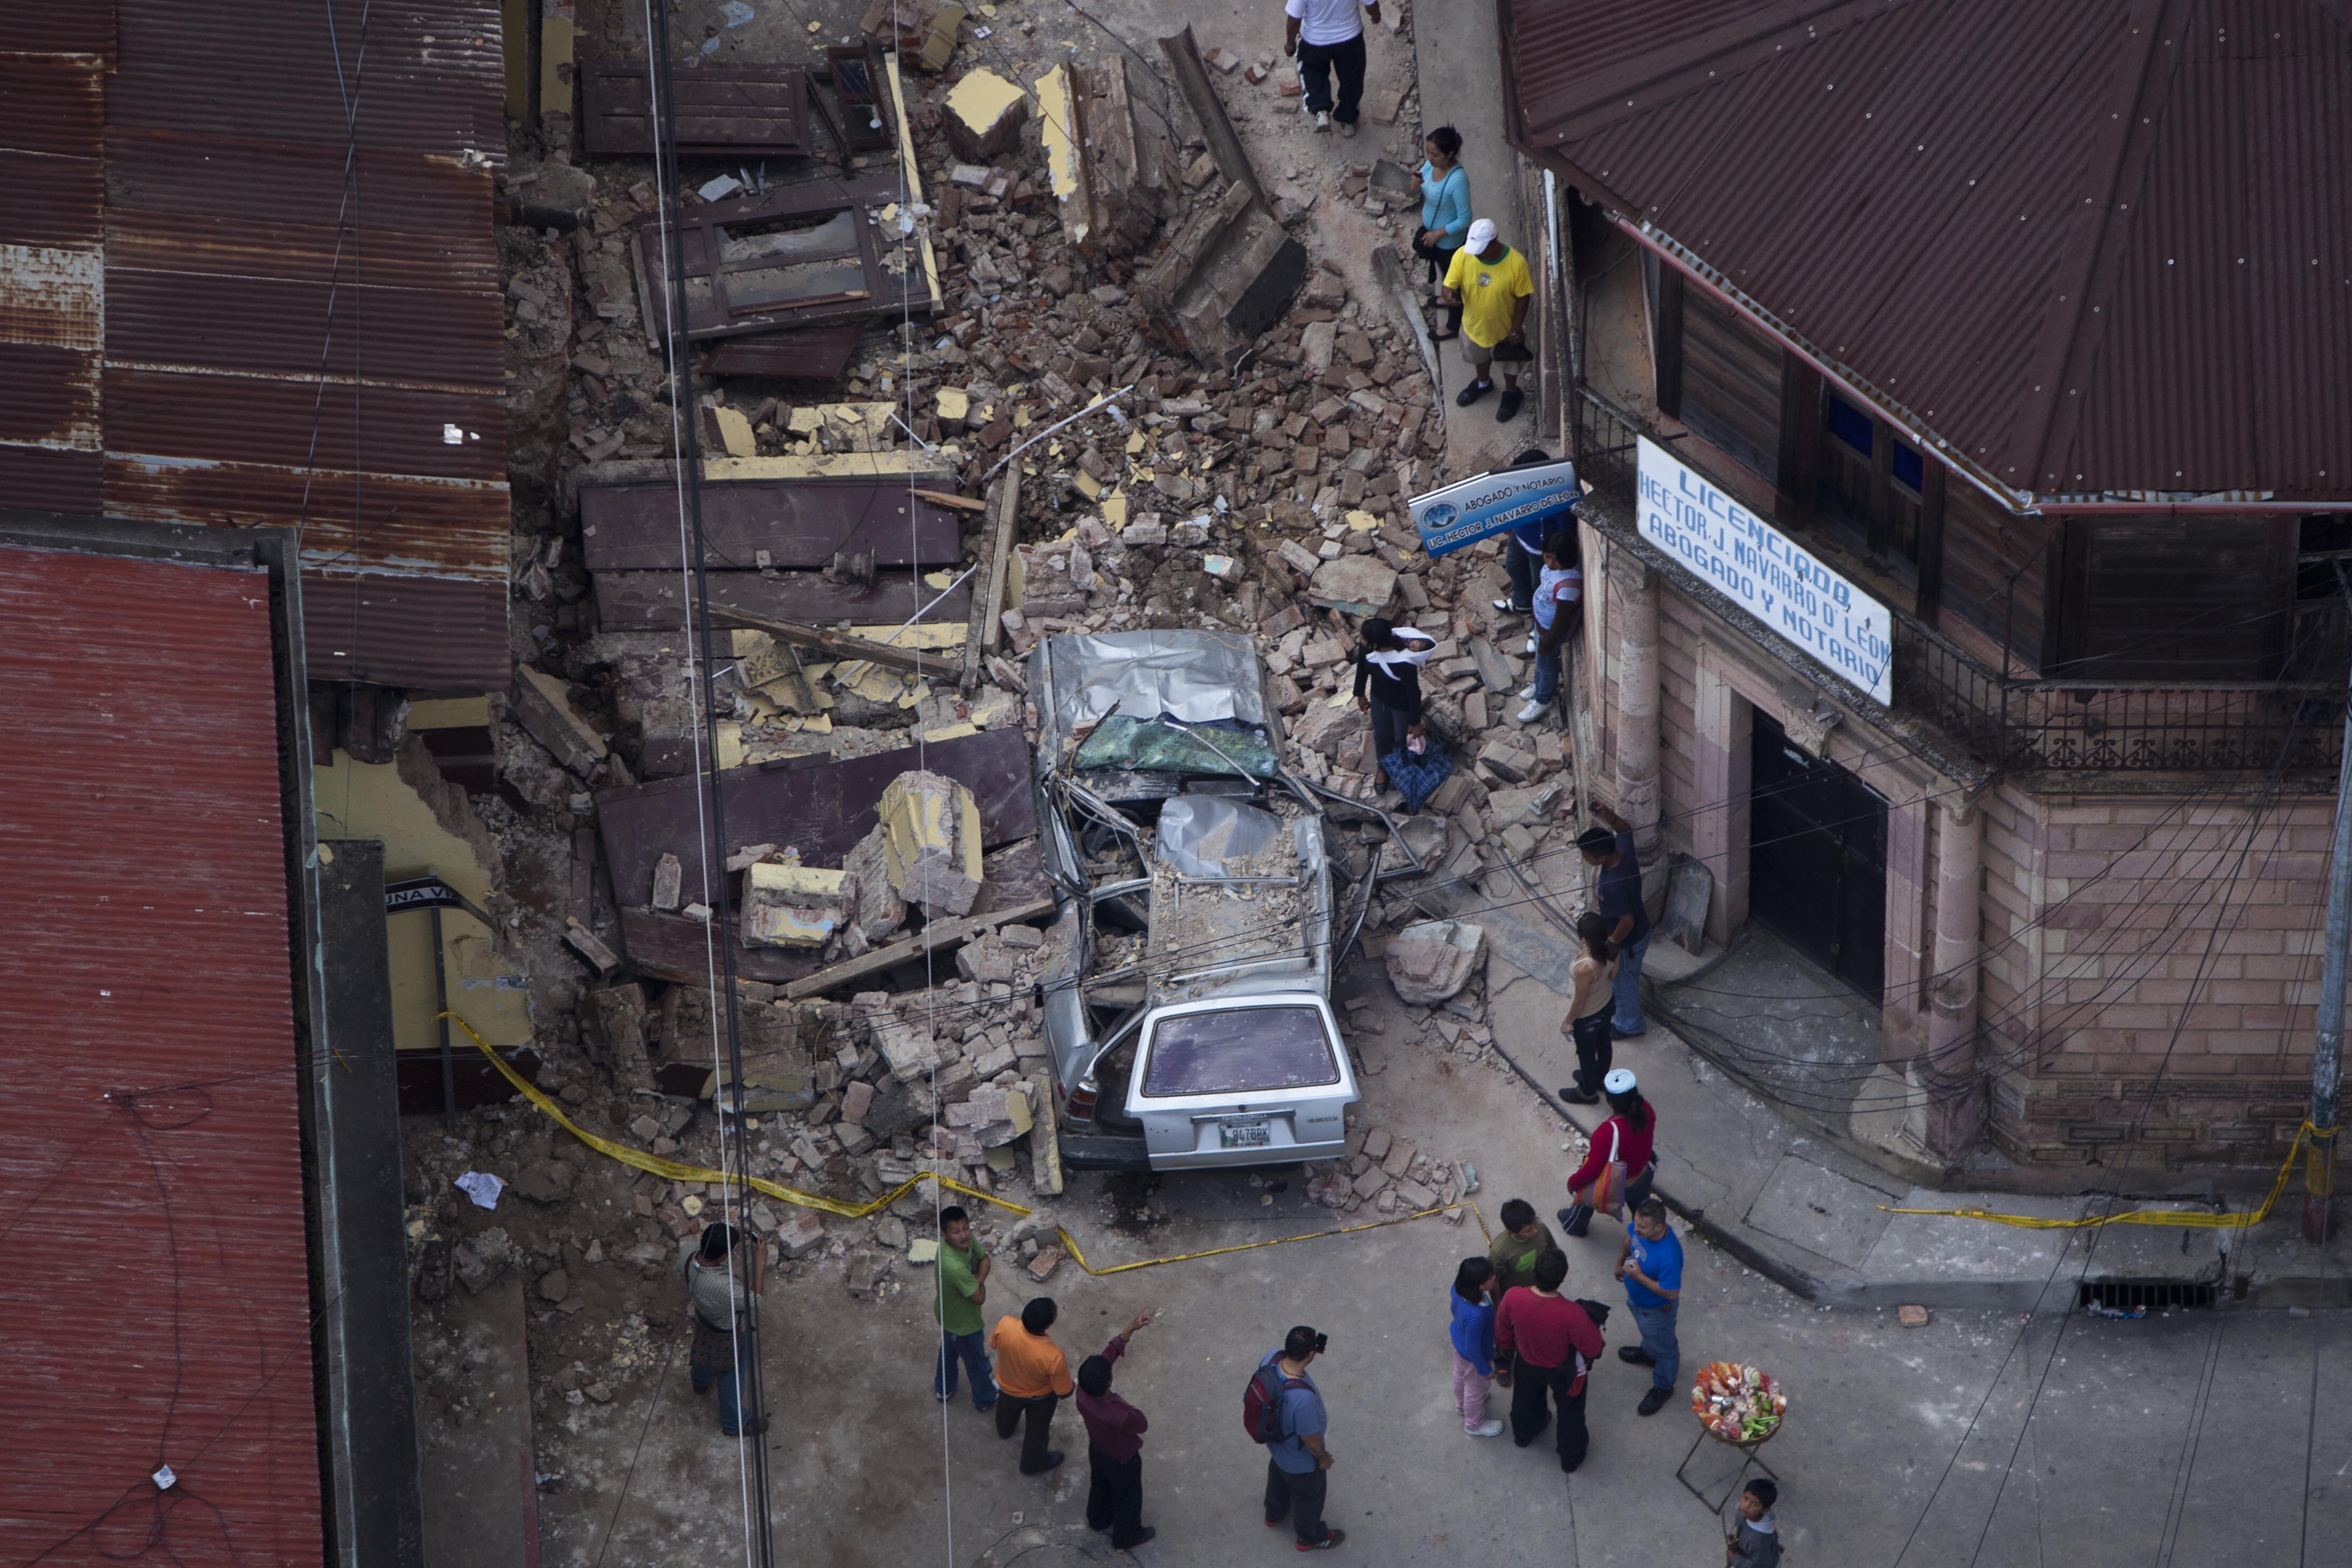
(1766, 573)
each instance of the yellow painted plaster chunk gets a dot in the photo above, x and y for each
(1115, 511)
(953, 403)
(814, 881)
(982, 99)
(928, 635)
(1362, 520)
(735, 433)
(1088, 486)
(949, 731)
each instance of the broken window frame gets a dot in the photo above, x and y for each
(700, 240)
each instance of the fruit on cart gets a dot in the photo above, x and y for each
(1739, 1404)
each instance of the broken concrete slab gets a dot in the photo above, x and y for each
(1227, 277)
(931, 842)
(1353, 584)
(543, 706)
(1109, 155)
(1430, 960)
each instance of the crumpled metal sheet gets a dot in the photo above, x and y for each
(1209, 836)
(1197, 677)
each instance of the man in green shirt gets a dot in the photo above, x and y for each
(1525, 1238)
(962, 1273)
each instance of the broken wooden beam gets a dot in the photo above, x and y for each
(839, 646)
(937, 935)
(987, 622)
(960, 503)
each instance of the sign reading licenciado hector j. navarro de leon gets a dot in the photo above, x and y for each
(1766, 573)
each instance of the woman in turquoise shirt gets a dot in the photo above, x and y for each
(1444, 212)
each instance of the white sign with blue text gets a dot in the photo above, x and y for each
(1473, 510)
(1766, 573)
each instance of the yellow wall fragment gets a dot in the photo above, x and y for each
(830, 466)
(1360, 520)
(982, 99)
(735, 432)
(1088, 486)
(449, 713)
(953, 403)
(1115, 511)
(956, 730)
(368, 800)
(925, 635)
(1061, 152)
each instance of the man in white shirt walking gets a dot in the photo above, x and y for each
(1328, 37)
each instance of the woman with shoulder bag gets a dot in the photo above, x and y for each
(1445, 213)
(1618, 1172)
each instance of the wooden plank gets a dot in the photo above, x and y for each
(933, 937)
(998, 544)
(721, 110)
(1001, 558)
(656, 601)
(813, 354)
(960, 503)
(801, 523)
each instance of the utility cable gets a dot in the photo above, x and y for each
(743, 1347)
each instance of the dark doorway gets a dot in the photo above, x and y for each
(1817, 859)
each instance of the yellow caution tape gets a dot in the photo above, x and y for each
(2188, 1218)
(678, 1172)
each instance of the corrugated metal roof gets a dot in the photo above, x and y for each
(154, 1300)
(261, 338)
(2093, 245)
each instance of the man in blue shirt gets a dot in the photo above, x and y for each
(1610, 848)
(1651, 1263)
(1295, 1462)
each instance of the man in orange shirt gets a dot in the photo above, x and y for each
(1034, 1376)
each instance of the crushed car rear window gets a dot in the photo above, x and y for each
(1245, 1050)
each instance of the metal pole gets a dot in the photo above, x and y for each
(2327, 1058)
(441, 1006)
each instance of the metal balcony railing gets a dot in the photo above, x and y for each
(2018, 725)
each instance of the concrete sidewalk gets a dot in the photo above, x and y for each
(1811, 1211)
(1457, 54)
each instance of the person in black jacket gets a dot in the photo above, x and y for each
(1388, 684)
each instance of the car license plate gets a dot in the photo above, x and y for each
(1244, 1132)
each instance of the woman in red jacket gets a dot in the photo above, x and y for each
(1626, 1139)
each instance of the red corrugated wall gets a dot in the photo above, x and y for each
(154, 1306)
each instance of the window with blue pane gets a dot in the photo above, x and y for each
(1847, 423)
(1871, 484)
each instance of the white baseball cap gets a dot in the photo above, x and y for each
(1620, 1081)
(1481, 235)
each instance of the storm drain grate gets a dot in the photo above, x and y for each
(2124, 1295)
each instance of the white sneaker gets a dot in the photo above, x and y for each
(1527, 692)
(1531, 642)
(1347, 128)
(1533, 712)
(1322, 119)
(1491, 1429)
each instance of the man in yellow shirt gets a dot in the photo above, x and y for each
(1032, 1377)
(1493, 285)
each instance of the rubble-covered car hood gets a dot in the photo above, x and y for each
(1128, 699)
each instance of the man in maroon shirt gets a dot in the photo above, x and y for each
(1115, 1432)
(1549, 1343)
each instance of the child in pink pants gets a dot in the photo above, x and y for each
(1473, 1332)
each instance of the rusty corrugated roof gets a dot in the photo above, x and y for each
(154, 1295)
(2094, 246)
(235, 307)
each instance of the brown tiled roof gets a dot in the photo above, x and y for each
(225, 304)
(2093, 246)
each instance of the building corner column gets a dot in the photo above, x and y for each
(1633, 587)
(1955, 1109)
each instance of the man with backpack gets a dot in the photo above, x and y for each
(1283, 1410)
